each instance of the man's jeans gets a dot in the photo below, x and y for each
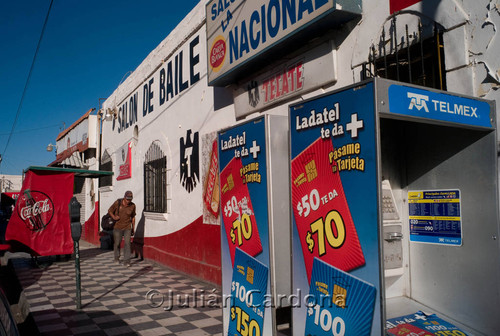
(117, 235)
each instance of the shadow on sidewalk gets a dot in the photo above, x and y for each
(139, 273)
(73, 322)
(10, 284)
(64, 321)
(18, 304)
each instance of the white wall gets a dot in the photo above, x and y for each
(192, 109)
(472, 64)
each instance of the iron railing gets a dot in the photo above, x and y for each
(409, 57)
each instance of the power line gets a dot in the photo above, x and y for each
(28, 79)
(30, 130)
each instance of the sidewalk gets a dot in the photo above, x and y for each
(114, 298)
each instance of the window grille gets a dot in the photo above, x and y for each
(408, 56)
(155, 180)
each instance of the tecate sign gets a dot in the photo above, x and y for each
(287, 80)
(238, 30)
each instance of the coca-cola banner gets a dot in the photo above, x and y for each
(40, 220)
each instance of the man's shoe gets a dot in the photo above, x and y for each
(117, 261)
(127, 264)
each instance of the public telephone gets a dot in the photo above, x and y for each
(438, 209)
(424, 203)
(389, 209)
(392, 231)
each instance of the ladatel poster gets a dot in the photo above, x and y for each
(341, 302)
(244, 221)
(238, 214)
(248, 289)
(335, 209)
(321, 211)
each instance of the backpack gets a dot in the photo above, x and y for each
(107, 222)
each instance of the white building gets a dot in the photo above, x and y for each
(166, 116)
(77, 147)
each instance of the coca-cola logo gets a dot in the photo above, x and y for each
(36, 209)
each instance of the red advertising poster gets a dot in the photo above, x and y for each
(41, 216)
(211, 196)
(238, 215)
(126, 167)
(321, 212)
(397, 5)
(407, 329)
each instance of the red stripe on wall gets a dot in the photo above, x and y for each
(194, 250)
(91, 227)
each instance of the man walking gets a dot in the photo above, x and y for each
(123, 212)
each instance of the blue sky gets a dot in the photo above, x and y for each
(87, 49)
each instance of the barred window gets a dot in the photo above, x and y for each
(155, 180)
(411, 53)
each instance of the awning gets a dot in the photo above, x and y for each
(77, 172)
(9, 197)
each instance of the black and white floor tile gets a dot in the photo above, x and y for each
(115, 299)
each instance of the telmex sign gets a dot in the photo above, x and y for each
(439, 106)
(239, 30)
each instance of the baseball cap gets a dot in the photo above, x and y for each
(128, 195)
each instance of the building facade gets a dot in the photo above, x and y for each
(227, 63)
(77, 147)
(166, 115)
(10, 183)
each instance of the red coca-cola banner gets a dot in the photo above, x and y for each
(40, 220)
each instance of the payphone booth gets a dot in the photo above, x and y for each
(255, 226)
(394, 201)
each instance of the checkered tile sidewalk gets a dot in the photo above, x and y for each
(114, 298)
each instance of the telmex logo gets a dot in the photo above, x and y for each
(418, 101)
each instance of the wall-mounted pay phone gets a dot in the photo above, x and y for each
(414, 220)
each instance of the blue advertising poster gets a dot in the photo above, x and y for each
(248, 290)
(338, 302)
(435, 217)
(244, 207)
(438, 106)
(334, 200)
